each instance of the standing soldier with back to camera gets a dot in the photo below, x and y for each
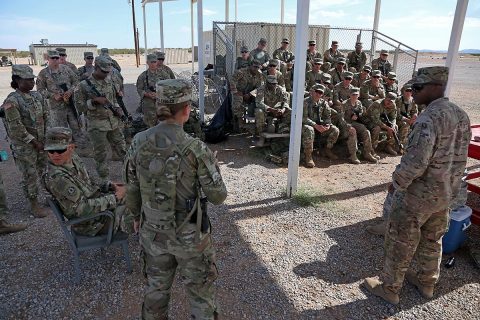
(96, 97)
(423, 185)
(26, 120)
(146, 90)
(169, 177)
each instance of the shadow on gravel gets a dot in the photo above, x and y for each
(350, 194)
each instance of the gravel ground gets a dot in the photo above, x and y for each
(277, 259)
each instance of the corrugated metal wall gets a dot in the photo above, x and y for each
(74, 52)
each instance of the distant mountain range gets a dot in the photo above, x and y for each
(464, 51)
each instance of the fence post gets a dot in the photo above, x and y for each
(395, 58)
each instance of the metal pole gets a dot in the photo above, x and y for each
(455, 36)
(201, 80)
(145, 34)
(160, 13)
(193, 38)
(227, 7)
(236, 10)
(301, 36)
(282, 11)
(134, 32)
(376, 19)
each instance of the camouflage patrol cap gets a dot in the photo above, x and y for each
(160, 55)
(52, 53)
(151, 57)
(358, 44)
(317, 61)
(87, 54)
(272, 79)
(262, 40)
(273, 62)
(104, 50)
(58, 138)
(312, 42)
(355, 90)
(367, 68)
(384, 52)
(244, 49)
(438, 75)
(391, 95)
(285, 40)
(104, 63)
(23, 71)
(347, 74)
(172, 91)
(334, 43)
(376, 73)
(61, 50)
(407, 86)
(392, 76)
(256, 63)
(327, 78)
(341, 60)
(318, 88)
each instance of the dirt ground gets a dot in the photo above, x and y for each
(276, 258)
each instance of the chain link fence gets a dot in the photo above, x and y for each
(228, 37)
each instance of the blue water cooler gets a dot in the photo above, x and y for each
(459, 222)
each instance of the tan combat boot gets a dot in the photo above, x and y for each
(389, 150)
(308, 158)
(330, 155)
(378, 229)
(375, 286)
(425, 291)
(370, 158)
(6, 227)
(37, 210)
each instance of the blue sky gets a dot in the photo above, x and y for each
(421, 24)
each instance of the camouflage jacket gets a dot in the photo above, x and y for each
(357, 60)
(114, 63)
(84, 72)
(269, 98)
(431, 169)
(383, 65)
(71, 66)
(278, 75)
(374, 112)
(116, 77)
(242, 63)
(146, 82)
(49, 83)
(283, 55)
(368, 91)
(406, 109)
(357, 81)
(244, 81)
(312, 78)
(349, 110)
(261, 55)
(99, 116)
(340, 93)
(336, 76)
(313, 55)
(77, 195)
(330, 56)
(391, 88)
(27, 118)
(316, 112)
(164, 72)
(161, 189)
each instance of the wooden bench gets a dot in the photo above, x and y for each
(264, 136)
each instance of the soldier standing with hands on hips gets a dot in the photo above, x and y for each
(170, 176)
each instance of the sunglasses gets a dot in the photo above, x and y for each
(61, 151)
(62, 55)
(161, 59)
(54, 58)
(244, 51)
(271, 66)
(408, 90)
(376, 77)
(89, 58)
(348, 78)
(418, 87)
(104, 71)
(311, 44)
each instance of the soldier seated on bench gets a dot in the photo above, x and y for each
(271, 107)
(66, 178)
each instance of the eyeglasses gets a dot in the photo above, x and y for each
(418, 87)
(60, 151)
(54, 58)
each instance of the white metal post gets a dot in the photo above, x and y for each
(282, 11)
(227, 7)
(376, 19)
(236, 10)
(455, 36)
(301, 36)
(160, 14)
(145, 34)
(201, 80)
(193, 38)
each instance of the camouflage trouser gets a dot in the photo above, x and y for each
(387, 206)
(3, 200)
(410, 233)
(195, 262)
(149, 111)
(363, 135)
(100, 140)
(403, 131)
(64, 117)
(331, 135)
(262, 118)
(32, 165)
(308, 136)
(238, 109)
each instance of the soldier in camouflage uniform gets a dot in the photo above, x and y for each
(243, 82)
(260, 54)
(328, 91)
(146, 90)
(245, 60)
(6, 227)
(317, 121)
(314, 76)
(360, 77)
(341, 91)
(390, 84)
(63, 59)
(95, 96)
(382, 64)
(104, 52)
(312, 52)
(164, 71)
(372, 90)
(26, 120)
(332, 55)
(357, 59)
(423, 186)
(407, 112)
(85, 71)
(376, 122)
(284, 55)
(353, 111)
(67, 179)
(336, 73)
(271, 105)
(174, 227)
(51, 84)
(272, 70)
